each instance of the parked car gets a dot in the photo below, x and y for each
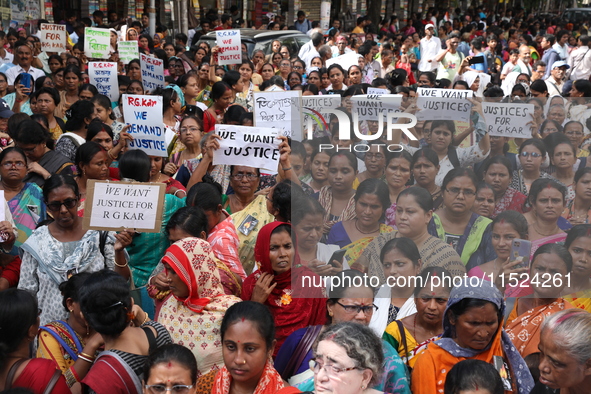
(262, 39)
(576, 15)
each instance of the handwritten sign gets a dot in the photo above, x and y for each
(97, 43)
(53, 37)
(256, 147)
(377, 91)
(370, 107)
(508, 119)
(316, 115)
(115, 206)
(144, 115)
(437, 108)
(128, 50)
(445, 93)
(230, 48)
(152, 72)
(103, 75)
(281, 110)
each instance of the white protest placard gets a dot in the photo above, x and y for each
(370, 107)
(230, 49)
(315, 112)
(128, 50)
(345, 61)
(377, 91)
(115, 206)
(103, 75)
(281, 110)
(437, 108)
(445, 93)
(97, 43)
(508, 119)
(144, 115)
(53, 37)
(152, 72)
(256, 147)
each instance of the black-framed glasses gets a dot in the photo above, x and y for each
(532, 154)
(176, 389)
(239, 177)
(355, 309)
(55, 206)
(456, 192)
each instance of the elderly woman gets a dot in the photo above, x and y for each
(472, 329)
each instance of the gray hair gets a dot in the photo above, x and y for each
(324, 50)
(361, 344)
(571, 331)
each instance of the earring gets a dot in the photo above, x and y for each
(330, 313)
(363, 387)
(87, 330)
(71, 310)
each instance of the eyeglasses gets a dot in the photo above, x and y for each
(455, 191)
(250, 177)
(577, 133)
(532, 154)
(374, 156)
(17, 164)
(28, 150)
(55, 206)
(355, 309)
(192, 130)
(161, 389)
(328, 368)
(297, 67)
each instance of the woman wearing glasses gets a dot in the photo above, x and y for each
(575, 131)
(532, 153)
(344, 304)
(171, 368)
(62, 248)
(455, 223)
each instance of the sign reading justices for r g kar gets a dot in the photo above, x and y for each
(115, 206)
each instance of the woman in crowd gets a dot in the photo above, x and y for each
(353, 235)
(336, 74)
(190, 134)
(25, 200)
(20, 323)
(43, 162)
(294, 79)
(267, 71)
(344, 304)
(398, 172)
(135, 87)
(188, 85)
(338, 197)
(578, 210)
(350, 356)
(103, 135)
(375, 163)
(549, 261)
(563, 158)
(550, 126)
(222, 96)
(279, 282)
(85, 91)
(63, 340)
(20, 99)
(457, 225)
(134, 70)
(425, 166)
(547, 198)
(67, 97)
(127, 331)
(47, 102)
(578, 244)
(484, 202)
(246, 73)
(314, 79)
(93, 163)
(564, 354)
(173, 186)
(307, 221)
(497, 173)
(473, 376)
(411, 334)
(472, 329)
(62, 247)
(171, 367)
(318, 177)
(79, 117)
(195, 283)
(532, 154)
(104, 112)
(247, 340)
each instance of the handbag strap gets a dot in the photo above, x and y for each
(12, 372)
(403, 338)
(51, 384)
(301, 351)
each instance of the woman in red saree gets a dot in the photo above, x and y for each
(293, 293)
(497, 173)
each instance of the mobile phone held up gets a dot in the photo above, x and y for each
(338, 256)
(520, 252)
(26, 80)
(476, 60)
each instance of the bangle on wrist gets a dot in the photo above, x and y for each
(111, 155)
(146, 318)
(287, 169)
(84, 358)
(121, 265)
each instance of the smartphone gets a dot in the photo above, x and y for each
(26, 80)
(520, 251)
(338, 256)
(476, 60)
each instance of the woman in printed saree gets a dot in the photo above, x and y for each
(397, 173)
(353, 235)
(578, 243)
(455, 223)
(523, 324)
(198, 296)
(578, 210)
(344, 303)
(497, 173)
(293, 293)
(411, 335)
(63, 340)
(128, 333)
(532, 154)
(472, 329)
(247, 340)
